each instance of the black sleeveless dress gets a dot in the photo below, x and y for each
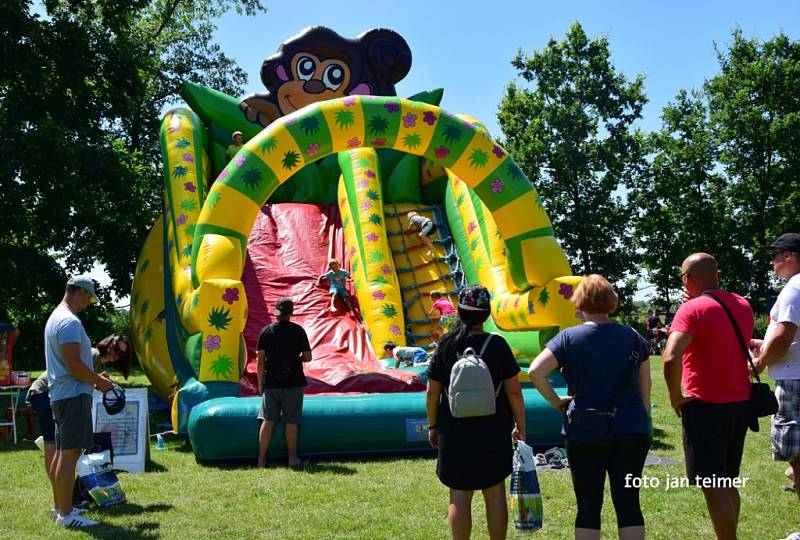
(475, 453)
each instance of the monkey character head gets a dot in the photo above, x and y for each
(318, 64)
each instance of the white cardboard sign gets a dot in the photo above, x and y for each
(129, 428)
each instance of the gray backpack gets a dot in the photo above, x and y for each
(471, 392)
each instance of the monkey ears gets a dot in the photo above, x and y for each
(362, 89)
(281, 72)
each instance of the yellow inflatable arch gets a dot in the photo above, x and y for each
(536, 265)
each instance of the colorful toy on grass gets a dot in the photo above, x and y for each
(377, 158)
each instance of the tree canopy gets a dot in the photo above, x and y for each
(82, 89)
(720, 175)
(572, 129)
(724, 176)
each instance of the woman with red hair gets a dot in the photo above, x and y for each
(608, 377)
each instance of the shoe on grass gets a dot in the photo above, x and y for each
(54, 512)
(793, 536)
(74, 520)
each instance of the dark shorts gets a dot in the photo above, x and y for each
(713, 438)
(73, 419)
(40, 403)
(428, 229)
(289, 401)
(338, 289)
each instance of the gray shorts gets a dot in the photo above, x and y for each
(786, 422)
(286, 400)
(73, 418)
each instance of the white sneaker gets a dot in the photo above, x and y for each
(793, 536)
(54, 512)
(74, 521)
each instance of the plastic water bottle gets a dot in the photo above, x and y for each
(160, 442)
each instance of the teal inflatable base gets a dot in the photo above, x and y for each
(227, 428)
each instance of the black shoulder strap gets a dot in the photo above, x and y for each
(634, 361)
(738, 331)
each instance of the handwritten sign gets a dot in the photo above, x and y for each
(129, 429)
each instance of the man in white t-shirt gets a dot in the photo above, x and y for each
(780, 351)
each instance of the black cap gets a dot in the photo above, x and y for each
(787, 242)
(114, 399)
(283, 307)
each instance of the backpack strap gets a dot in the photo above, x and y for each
(480, 355)
(485, 344)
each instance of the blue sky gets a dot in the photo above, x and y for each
(466, 47)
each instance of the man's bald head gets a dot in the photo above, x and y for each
(702, 269)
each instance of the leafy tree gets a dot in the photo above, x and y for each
(82, 89)
(572, 131)
(755, 115)
(724, 176)
(679, 199)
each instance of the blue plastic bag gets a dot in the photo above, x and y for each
(97, 476)
(524, 496)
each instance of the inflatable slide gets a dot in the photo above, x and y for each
(333, 178)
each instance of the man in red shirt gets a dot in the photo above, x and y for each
(709, 387)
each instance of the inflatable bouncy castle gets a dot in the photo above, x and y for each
(331, 163)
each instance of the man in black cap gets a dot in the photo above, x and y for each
(282, 348)
(780, 351)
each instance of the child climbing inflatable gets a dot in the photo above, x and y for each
(443, 315)
(424, 227)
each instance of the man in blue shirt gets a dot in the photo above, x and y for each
(70, 380)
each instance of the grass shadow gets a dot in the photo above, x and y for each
(147, 530)
(659, 440)
(152, 466)
(23, 445)
(315, 467)
(335, 464)
(181, 446)
(132, 509)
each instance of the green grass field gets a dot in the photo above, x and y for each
(369, 498)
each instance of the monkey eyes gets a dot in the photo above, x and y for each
(306, 68)
(333, 77)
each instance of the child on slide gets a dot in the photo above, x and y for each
(337, 279)
(418, 222)
(406, 355)
(443, 315)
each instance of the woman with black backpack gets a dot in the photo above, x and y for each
(607, 428)
(471, 417)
